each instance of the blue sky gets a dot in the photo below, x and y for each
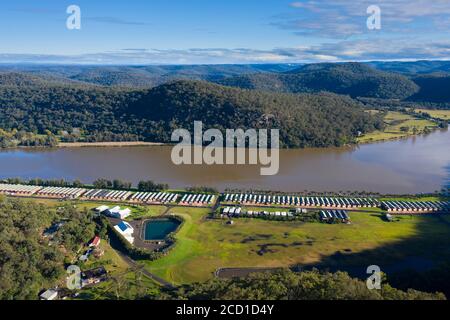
(231, 31)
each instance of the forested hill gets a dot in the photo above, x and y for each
(304, 120)
(412, 67)
(433, 88)
(353, 79)
(141, 76)
(93, 113)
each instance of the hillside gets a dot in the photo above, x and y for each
(412, 67)
(353, 79)
(141, 76)
(433, 88)
(111, 114)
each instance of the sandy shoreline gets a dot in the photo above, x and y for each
(108, 144)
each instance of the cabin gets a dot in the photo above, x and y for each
(117, 213)
(101, 209)
(334, 215)
(416, 206)
(18, 190)
(53, 229)
(95, 242)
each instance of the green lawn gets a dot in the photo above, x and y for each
(438, 114)
(394, 122)
(205, 245)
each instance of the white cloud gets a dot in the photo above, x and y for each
(346, 50)
(345, 18)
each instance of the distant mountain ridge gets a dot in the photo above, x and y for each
(353, 79)
(419, 81)
(141, 76)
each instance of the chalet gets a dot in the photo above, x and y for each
(95, 242)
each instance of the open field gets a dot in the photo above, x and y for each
(205, 245)
(396, 123)
(438, 114)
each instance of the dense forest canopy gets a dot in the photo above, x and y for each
(353, 79)
(315, 105)
(433, 88)
(412, 67)
(288, 285)
(96, 113)
(142, 76)
(28, 261)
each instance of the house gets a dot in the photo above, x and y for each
(124, 213)
(118, 213)
(126, 230)
(93, 276)
(53, 229)
(101, 209)
(95, 242)
(50, 294)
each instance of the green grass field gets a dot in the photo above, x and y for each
(394, 122)
(205, 245)
(438, 114)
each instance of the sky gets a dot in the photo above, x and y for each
(222, 31)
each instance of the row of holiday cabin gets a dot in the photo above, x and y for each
(61, 192)
(107, 195)
(197, 199)
(205, 199)
(238, 212)
(334, 215)
(154, 197)
(416, 206)
(18, 189)
(255, 199)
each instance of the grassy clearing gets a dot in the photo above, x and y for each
(438, 114)
(205, 245)
(396, 122)
(111, 260)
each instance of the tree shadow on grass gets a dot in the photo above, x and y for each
(420, 262)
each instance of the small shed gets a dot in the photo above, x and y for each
(50, 294)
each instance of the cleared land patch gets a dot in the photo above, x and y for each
(205, 245)
(399, 125)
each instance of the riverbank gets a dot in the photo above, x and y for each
(385, 168)
(399, 126)
(108, 144)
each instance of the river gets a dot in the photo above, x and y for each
(413, 165)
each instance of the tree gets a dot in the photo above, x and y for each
(288, 285)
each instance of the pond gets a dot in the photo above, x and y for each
(159, 229)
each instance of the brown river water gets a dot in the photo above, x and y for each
(413, 165)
